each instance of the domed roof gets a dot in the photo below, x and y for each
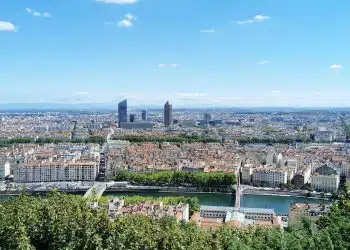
(325, 170)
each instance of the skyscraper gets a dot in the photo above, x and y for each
(144, 115)
(168, 114)
(122, 112)
(207, 117)
(132, 117)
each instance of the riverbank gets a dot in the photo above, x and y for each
(248, 190)
(167, 193)
(280, 204)
(112, 187)
(288, 195)
(29, 192)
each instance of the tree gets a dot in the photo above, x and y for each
(323, 240)
(66, 222)
(179, 178)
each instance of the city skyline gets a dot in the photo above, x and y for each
(236, 54)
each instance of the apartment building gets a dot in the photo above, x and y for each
(325, 183)
(225, 212)
(55, 171)
(292, 163)
(247, 171)
(324, 136)
(269, 175)
(302, 177)
(346, 170)
(326, 178)
(273, 159)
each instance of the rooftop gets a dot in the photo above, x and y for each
(242, 209)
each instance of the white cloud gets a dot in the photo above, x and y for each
(261, 18)
(118, 1)
(208, 31)
(173, 65)
(130, 17)
(263, 62)
(255, 19)
(46, 14)
(38, 14)
(336, 66)
(7, 26)
(127, 21)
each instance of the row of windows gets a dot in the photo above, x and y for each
(214, 212)
(211, 214)
(258, 217)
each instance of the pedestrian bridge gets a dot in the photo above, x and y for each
(241, 187)
(96, 190)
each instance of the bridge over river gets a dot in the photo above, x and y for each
(96, 190)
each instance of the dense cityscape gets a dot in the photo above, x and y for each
(147, 152)
(174, 125)
(158, 163)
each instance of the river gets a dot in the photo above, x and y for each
(279, 203)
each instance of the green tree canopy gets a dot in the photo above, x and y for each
(66, 222)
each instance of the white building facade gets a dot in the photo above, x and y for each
(224, 212)
(325, 183)
(247, 172)
(270, 176)
(56, 171)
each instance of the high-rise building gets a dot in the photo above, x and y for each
(144, 115)
(132, 117)
(168, 114)
(207, 117)
(122, 112)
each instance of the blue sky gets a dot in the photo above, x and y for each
(192, 52)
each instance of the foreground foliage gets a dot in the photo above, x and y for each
(66, 222)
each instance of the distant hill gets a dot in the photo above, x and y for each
(179, 108)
